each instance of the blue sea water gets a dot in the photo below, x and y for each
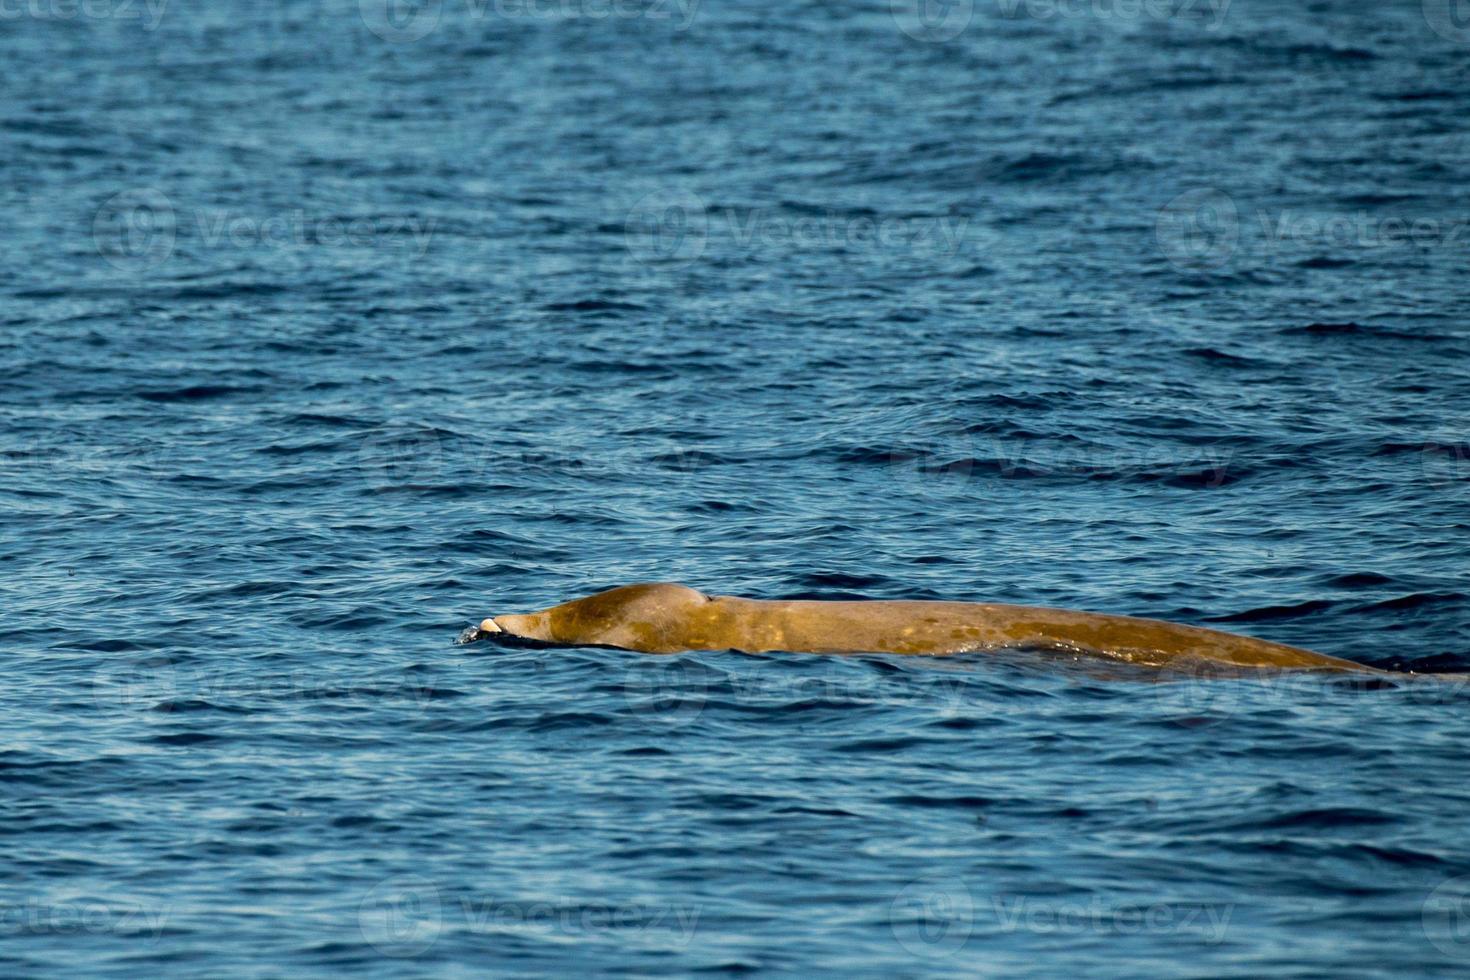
(331, 327)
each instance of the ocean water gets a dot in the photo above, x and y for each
(329, 328)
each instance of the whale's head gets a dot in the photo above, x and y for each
(635, 617)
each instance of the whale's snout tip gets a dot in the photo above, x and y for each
(472, 633)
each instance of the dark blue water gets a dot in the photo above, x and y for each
(327, 332)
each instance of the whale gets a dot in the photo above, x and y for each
(665, 618)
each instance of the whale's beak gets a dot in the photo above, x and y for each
(518, 631)
(470, 634)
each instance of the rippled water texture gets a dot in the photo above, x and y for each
(327, 333)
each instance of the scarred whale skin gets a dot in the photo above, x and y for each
(668, 618)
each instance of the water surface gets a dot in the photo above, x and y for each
(320, 342)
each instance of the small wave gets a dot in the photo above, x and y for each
(1328, 329)
(186, 738)
(867, 745)
(940, 802)
(1356, 580)
(194, 393)
(1328, 818)
(1269, 613)
(1215, 356)
(1417, 600)
(594, 306)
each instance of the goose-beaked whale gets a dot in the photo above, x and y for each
(668, 618)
